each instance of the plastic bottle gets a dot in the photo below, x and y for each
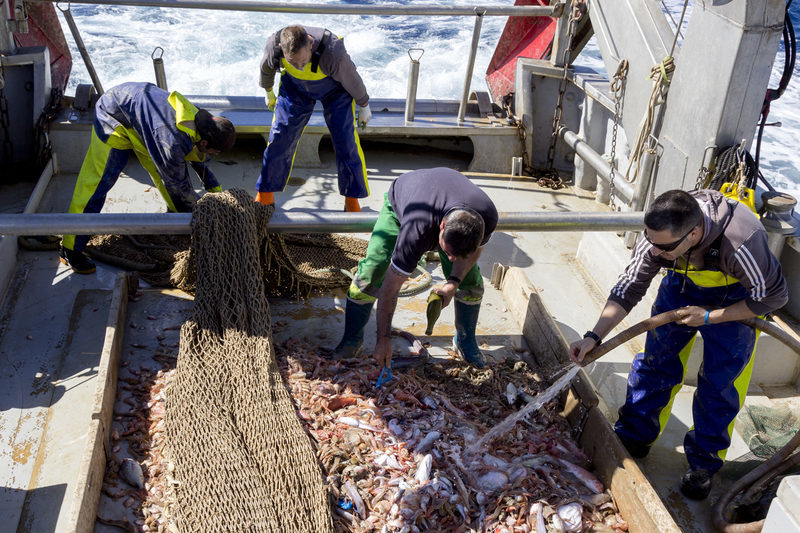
(433, 312)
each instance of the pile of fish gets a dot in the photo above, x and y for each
(395, 459)
(138, 487)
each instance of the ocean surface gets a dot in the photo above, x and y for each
(218, 53)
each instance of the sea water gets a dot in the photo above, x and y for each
(218, 53)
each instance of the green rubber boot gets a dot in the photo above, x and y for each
(356, 316)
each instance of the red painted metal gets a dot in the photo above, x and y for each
(530, 37)
(44, 29)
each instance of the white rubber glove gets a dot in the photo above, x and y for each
(270, 100)
(364, 114)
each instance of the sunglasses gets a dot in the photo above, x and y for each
(667, 247)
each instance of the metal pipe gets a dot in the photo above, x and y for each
(333, 9)
(413, 78)
(158, 65)
(476, 36)
(288, 222)
(596, 161)
(82, 48)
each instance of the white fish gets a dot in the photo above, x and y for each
(572, 515)
(355, 497)
(511, 394)
(388, 460)
(131, 472)
(356, 423)
(424, 470)
(427, 443)
(588, 479)
(540, 526)
(394, 427)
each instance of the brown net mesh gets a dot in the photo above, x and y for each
(296, 265)
(242, 458)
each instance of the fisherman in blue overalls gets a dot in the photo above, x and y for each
(719, 270)
(166, 132)
(314, 65)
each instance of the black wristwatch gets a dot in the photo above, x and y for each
(455, 279)
(594, 336)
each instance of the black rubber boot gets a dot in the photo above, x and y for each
(356, 316)
(696, 484)
(635, 448)
(79, 263)
(464, 341)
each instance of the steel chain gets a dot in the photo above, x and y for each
(618, 90)
(43, 150)
(521, 134)
(5, 121)
(575, 14)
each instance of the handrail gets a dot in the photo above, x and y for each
(555, 10)
(292, 222)
(334, 9)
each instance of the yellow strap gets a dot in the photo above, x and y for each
(304, 74)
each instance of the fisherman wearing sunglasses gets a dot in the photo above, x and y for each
(719, 270)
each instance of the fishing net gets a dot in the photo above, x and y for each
(296, 265)
(242, 458)
(765, 429)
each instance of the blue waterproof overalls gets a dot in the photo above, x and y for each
(148, 121)
(299, 91)
(657, 374)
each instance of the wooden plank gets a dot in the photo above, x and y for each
(636, 499)
(86, 497)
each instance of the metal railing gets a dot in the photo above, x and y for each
(478, 12)
(289, 222)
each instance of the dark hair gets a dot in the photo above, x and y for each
(293, 39)
(217, 131)
(676, 211)
(463, 231)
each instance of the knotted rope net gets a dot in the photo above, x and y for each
(242, 458)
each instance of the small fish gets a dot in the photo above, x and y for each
(355, 497)
(424, 470)
(394, 427)
(427, 443)
(356, 423)
(131, 472)
(586, 477)
(540, 526)
(511, 394)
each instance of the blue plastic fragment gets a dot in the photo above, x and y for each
(345, 503)
(384, 378)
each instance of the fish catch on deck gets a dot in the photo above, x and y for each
(394, 458)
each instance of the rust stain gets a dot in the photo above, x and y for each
(21, 452)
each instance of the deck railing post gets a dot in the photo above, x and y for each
(476, 35)
(82, 48)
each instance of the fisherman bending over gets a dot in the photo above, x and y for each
(314, 66)
(719, 271)
(165, 131)
(430, 209)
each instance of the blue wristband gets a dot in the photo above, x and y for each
(706, 318)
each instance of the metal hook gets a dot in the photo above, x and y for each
(420, 50)
(69, 5)
(156, 49)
